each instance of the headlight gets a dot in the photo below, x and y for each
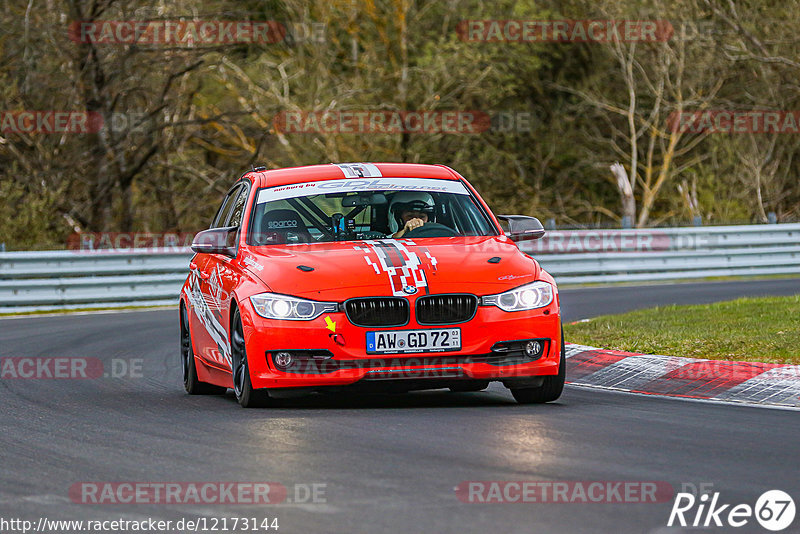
(527, 297)
(274, 306)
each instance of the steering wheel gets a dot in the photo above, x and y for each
(431, 229)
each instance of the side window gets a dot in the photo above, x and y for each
(238, 208)
(225, 209)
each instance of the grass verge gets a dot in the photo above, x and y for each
(764, 329)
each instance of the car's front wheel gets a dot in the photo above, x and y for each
(550, 389)
(246, 395)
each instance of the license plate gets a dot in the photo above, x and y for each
(404, 341)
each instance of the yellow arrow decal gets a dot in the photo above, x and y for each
(331, 324)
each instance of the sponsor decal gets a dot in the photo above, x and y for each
(350, 185)
(402, 265)
(282, 224)
(252, 263)
(513, 276)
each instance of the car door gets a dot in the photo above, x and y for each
(224, 275)
(209, 320)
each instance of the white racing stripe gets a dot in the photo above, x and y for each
(402, 265)
(360, 170)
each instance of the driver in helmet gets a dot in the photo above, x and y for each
(409, 210)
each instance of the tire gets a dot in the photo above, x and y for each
(191, 383)
(469, 386)
(552, 387)
(246, 395)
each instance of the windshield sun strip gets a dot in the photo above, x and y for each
(318, 219)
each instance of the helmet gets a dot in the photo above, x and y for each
(408, 201)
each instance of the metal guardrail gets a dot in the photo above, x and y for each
(589, 256)
(61, 280)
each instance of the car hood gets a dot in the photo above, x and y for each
(393, 267)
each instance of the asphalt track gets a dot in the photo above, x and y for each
(389, 464)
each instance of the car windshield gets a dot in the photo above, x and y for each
(351, 210)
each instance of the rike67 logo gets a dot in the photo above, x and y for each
(774, 510)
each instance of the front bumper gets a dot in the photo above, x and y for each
(344, 360)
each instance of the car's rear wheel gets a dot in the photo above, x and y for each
(470, 385)
(191, 383)
(246, 395)
(552, 387)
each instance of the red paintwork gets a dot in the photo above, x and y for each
(341, 273)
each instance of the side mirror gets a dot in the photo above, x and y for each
(216, 241)
(521, 228)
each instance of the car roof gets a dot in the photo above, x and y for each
(316, 173)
